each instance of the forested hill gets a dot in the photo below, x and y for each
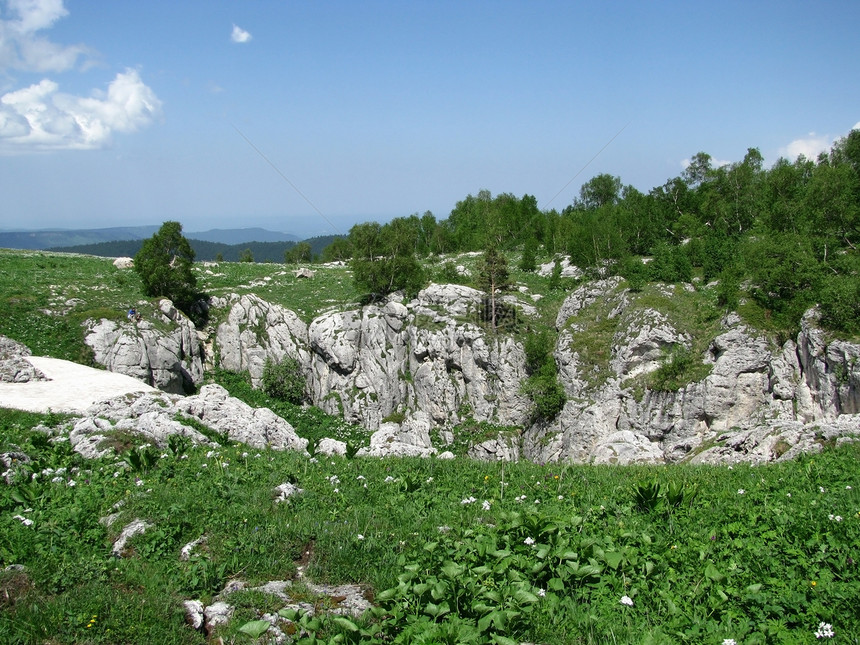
(205, 251)
(784, 238)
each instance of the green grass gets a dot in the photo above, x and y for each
(725, 564)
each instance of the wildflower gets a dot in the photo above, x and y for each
(537, 501)
(336, 490)
(788, 495)
(626, 600)
(163, 455)
(541, 592)
(72, 483)
(334, 479)
(812, 583)
(486, 505)
(429, 479)
(673, 547)
(821, 489)
(389, 479)
(486, 477)
(24, 520)
(741, 491)
(360, 536)
(211, 454)
(520, 499)
(825, 630)
(57, 480)
(444, 529)
(244, 455)
(529, 541)
(847, 488)
(729, 641)
(204, 465)
(184, 457)
(561, 497)
(360, 478)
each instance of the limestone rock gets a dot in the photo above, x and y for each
(136, 527)
(124, 263)
(256, 330)
(169, 360)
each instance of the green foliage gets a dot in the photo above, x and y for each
(284, 380)
(301, 252)
(674, 374)
(164, 265)
(246, 256)
(451, 551)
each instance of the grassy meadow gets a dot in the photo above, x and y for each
(448, 551)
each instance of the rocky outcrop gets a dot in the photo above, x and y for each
(256, 330)
(406, 368)
(395, 359)
(163, 352)
(14, 368)
(155, 417)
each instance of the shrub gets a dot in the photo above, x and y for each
(284, 380)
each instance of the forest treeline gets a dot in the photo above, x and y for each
(207, 251)
(785, 236)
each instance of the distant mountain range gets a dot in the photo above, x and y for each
(38, 240)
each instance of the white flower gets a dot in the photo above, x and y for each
(23, 520)
(537, 501)
(788, 494)
(184, 457)
(360, 478)
(486, 505)
(429, 479)
(204, 465)
(389, 479)
(210, 454)
(529, 541)
(336, 490)
(520, 499)
(729, 641)
(561, 497)
(541, 592)
(626, 600)
(825, 630)
(57, 480)
(360, 536)
(72, 483)
(821, 490)
(138, 482)
(741, 491)
(469, 500)
(444, 529)
(847, 488)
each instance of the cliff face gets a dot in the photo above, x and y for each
(427, 363)
(416, 369)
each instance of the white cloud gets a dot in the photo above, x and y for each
(856, 126)
(239, 35)
(21, 46)
(810, 147)
(40, 117)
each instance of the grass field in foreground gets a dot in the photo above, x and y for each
(451, 551)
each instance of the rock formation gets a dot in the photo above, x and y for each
(164, 352)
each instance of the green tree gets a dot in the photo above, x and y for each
(383, 258)
(301, 252)
(164, 265)
(246, 256)
(492, 277)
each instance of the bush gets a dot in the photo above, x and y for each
(284, 380)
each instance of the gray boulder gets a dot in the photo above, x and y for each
(164, 352)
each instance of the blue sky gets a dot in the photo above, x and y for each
(307, 117)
